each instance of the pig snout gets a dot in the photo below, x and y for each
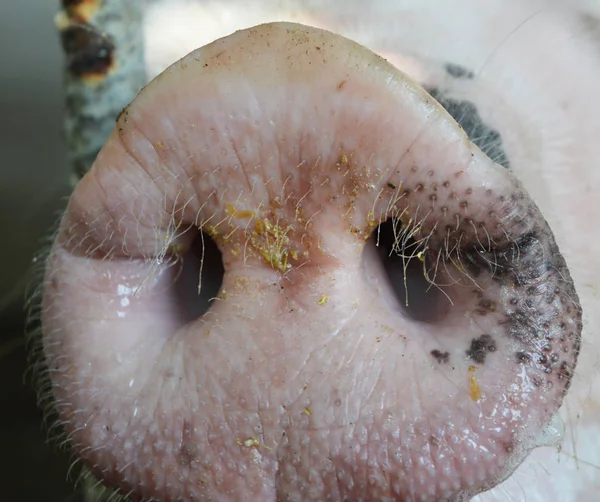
(394, 319)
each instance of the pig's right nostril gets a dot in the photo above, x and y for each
(198, 279)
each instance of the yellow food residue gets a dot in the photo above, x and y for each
(371, 221)
(308, 411)
(324, 299)
(248, 443)
(238, 213)
(474, 389)
(273, 244)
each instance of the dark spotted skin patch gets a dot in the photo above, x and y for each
(501, 244)
(466, 114)
(441, 357)
(480, 347)
(458, 71)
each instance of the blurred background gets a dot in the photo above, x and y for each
(33, 187)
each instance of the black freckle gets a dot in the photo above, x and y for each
(531, 290)
(446, 184)
(441, 357)
(433, 197)
(523, 357)
(480, 347)
(430, 173)
(488, 305)
(444, 209)
(564, 371)
(392, 186)
(554, 357)
(459, 71)
(514, 301)
(464, 204)
(419, 187)
(469, 191)
(542, 359)
(406, 192)
(537, 381)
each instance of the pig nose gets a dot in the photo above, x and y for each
(334, 188)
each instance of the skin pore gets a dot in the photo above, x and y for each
(477, 271)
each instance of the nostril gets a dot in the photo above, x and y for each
(198, 279)
(409, 272)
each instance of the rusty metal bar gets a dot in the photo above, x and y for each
(103, 42)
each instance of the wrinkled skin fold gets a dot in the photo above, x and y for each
(307, 378)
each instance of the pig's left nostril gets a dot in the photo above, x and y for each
(409, 272)
(198, 279)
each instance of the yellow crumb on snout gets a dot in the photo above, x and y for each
(273, 243)
(251, 442)
(474, 389)
(324, 299)
(238, 213)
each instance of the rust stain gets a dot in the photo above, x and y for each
(90, 53)
(81, 10)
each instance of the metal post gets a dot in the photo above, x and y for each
(104, 45)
